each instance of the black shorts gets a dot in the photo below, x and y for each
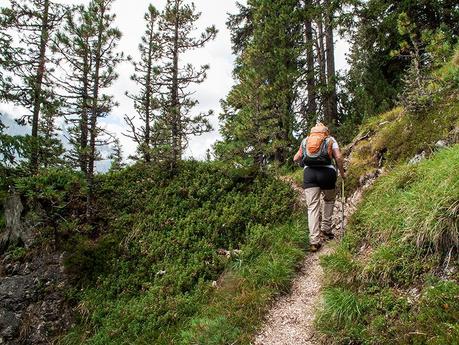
(322, 177)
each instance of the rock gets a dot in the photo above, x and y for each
(15, 229)
(33, 308)
(418, 158)
(16, 291)
(9, 325)
(369, 178)
(440, 144)
(453, 136)
(223, 252)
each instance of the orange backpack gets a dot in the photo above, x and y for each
(317, 147)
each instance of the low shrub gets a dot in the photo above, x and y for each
(166, 268)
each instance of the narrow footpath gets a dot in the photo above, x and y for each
(290, 321)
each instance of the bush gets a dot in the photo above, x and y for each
(148, 277)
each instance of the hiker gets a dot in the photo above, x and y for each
(316, 154)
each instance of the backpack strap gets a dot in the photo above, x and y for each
(329, 143)
(303, 146)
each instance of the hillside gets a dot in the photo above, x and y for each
(196, 231)
(171, 259)
(394, 277)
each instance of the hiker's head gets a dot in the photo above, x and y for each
(320, 128)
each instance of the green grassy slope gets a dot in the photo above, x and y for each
(148, 277)
(394, 278)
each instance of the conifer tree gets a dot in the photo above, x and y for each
(259, 114)
(147, 101)
(35, 21)
(87, 50)
(104, 59)
(72, 47)
(116, 156)
(6, 55)
(375, 77)
(241, 26)
(177, 37)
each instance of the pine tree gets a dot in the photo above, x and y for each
(259, 114)
(104, 59)
(116, 156)
(87, 50)
(73, 48)
(376, 76)
(36, 21)
(241, 26)
(177, 37)
(6, 55)
(147, 102)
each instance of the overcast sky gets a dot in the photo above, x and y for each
(129, 19)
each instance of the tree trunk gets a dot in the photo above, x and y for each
(94, 114)
(37, 87)
(148, 91)
(310, 78)
(83, 155)
(322, 68)
(332, 98)
(176, 143)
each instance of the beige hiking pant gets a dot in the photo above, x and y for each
(313, 201)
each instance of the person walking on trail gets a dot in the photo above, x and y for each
(317, 154)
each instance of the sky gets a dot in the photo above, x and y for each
(217, 53)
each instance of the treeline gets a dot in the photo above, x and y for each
(286, 75)
(58, 61)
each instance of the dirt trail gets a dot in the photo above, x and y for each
(290, 321)
(291, 318)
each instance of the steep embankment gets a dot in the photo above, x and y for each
(394, 278)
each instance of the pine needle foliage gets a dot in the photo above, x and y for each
(156, 273)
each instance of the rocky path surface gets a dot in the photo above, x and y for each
(290, 320)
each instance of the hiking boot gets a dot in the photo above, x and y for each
(314, 247)
(328, 236)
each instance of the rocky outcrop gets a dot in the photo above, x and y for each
(33, 309)
(14, 230)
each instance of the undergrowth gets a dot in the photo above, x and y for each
(394, 277)
(192, 258)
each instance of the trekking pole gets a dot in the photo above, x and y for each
(343, 201)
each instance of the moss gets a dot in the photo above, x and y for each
(395, 137)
